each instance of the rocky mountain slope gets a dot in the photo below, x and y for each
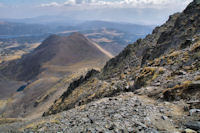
(124, 113)
(165, 59)
(161, 75)
(164, 65)
(40, 77)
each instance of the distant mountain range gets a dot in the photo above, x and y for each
(46, 20)
(11, 28)
(111, 36)
(19, 28)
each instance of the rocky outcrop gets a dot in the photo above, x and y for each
(124, 113)
(188, 90)
(59, 104)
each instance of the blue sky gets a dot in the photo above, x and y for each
(132, 11)
(21, 2)
(27, 2)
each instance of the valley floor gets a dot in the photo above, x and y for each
(127, 112)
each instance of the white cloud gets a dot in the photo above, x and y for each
(156, 2)
(70, 2)
(52, 4)
(121, 3)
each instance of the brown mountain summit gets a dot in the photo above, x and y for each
(55, 51)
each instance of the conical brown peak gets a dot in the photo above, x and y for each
(76, 34)
(53, 36)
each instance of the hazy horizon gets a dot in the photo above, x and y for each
(149, 12)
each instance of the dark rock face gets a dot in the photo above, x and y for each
(136, 54)
(184, 91)
(70, 89)
(78, 82)
(182, 28)
(186, 44)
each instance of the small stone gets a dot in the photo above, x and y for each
(162, 111)
(110, 127)
(99, 129)
(157, 84)
(86, 120)
(186, 108)
(151, 131)
(140, 124)
(164, 117)
(136, 110)
(194, 125)
(192, 111)
(130, 129)
(126, 87)
(190, 131)
(41, 129)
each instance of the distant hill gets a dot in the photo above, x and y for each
(46, 20)
(12, 28)
(126, 27)
(55, 50)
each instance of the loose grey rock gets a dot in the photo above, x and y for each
(195, 125)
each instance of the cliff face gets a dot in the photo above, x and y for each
(167, 60)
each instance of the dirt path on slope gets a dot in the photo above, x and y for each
(102, 50)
